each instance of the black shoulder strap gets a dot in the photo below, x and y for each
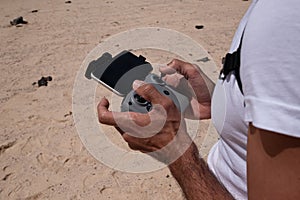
(231, 63)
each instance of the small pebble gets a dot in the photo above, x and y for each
(199, 26)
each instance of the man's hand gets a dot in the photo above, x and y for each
(200, 87)
(161, 132)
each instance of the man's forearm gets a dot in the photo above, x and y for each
(195, 179)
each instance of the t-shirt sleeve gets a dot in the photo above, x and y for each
(270, 67)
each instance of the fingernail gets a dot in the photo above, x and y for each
(164, 67)
(137, 83)
(170, 63)
(167, 70)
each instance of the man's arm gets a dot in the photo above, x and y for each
(189, 170)
(273, 165)
(195, 179)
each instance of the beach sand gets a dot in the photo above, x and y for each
(41, 155)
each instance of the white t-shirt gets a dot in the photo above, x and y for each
(270, 75)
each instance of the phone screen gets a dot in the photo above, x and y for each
(119, 74)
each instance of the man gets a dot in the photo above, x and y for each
(258, 154)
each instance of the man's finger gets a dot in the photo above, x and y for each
(104, 115)
(167, 70)
(125, 121)
(178, 64)
(183, 68)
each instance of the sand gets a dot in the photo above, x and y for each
(41, 155)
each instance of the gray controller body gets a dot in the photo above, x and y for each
(135, 103)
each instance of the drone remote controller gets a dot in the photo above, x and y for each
(119, 72)
(135, 103)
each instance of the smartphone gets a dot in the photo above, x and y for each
(119, 72)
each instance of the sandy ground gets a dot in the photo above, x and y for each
(41, 155)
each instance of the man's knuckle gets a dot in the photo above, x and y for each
(127, 138)
(149, 88)
(149, 91)
(102, 117)
(135, 117)
(175, 61)
(167, 102)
